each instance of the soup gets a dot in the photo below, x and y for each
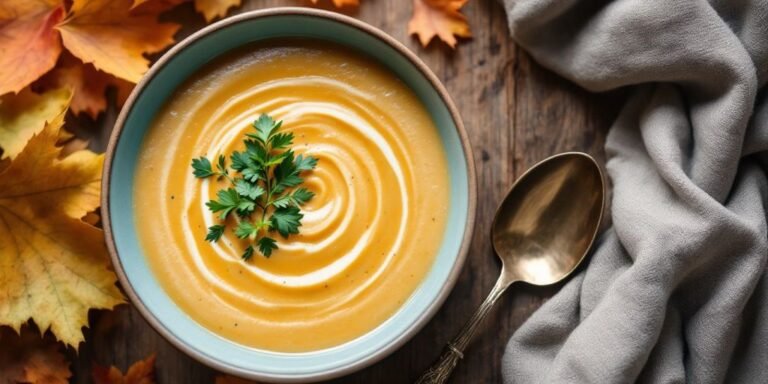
(370, 234)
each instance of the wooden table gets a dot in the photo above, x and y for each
(516, 113)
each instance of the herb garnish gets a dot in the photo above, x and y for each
(264, 176)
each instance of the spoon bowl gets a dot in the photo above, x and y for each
(547, 222)
(542, 231)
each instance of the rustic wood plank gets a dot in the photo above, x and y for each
(516, 113)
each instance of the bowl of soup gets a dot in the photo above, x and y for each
(382, 241)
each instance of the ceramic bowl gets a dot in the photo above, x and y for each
(130, 263)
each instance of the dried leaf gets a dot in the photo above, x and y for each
(30, 358)
(141, 372)
(227, 379)
(440, 18)
(53, 266)
(25, 114)
(212, 9)
(29, 45)
(89, 85)
(342, 3)
(107, 34)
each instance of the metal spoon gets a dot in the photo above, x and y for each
(541, 232)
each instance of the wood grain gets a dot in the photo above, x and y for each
(516, 113)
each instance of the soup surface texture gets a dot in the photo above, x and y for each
(369, 236)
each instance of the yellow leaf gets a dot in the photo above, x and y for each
(29, 45)
(440, 18)
(212, 9)
(25, 114)
(141, 372)
(30, 358)
(53, 266)
(107, 34)
(342, 3)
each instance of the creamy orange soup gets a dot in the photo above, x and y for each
(370, 234)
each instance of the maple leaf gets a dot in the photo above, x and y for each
(29, 358)
(29, 45)
(111, 37)
(88, 84)
(141, 372)
(25, 114)
(53, 266)
(212, 9)
(440, 18)
(342, 3)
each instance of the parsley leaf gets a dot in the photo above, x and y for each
(281, 140)
(202, 167)
(245, 229)
(305, 163)
(248, 253)
(240, 160)
(221, 165)
(228, 200)
(286, 221)
(214, 233)
(301, 196)
(249, 190)
(267, 245)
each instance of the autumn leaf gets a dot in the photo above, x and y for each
(29, 45)
(89, 85)
(53, 266)
(107, 34)
(141, 372)
(30, 358)
(25, 114)
(212, 9)
(440, 18)
(342, 3)
(227, 379)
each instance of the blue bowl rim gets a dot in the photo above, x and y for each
(447, 286)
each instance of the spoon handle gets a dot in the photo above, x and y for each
(441, 370)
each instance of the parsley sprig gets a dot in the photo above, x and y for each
(263, 192)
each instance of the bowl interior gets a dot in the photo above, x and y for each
(175, 324)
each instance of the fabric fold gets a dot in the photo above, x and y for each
(676, 291)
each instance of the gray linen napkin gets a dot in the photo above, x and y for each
(676, 290)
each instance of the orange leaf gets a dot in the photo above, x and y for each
(107, 34)
(29, 358)
(440, 18)
(212, 9)
(29, 45)
(141, 372)
(88, 84)
(342, 3)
